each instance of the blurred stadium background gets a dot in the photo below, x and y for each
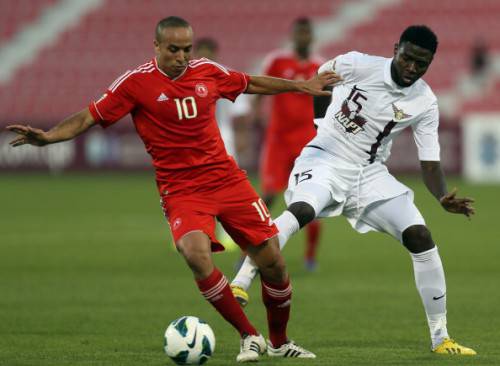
(56, 56)
(82, 255)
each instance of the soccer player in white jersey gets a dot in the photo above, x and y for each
(341, 171)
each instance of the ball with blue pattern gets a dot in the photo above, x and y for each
(189, 341)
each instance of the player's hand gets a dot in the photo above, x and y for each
(28, 135)
(315, 85)
(453, 204)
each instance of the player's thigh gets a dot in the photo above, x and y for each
(244, 215)
(311, 182)
(189, 214)
(393, 215)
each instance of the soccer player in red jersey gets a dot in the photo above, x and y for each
(172, 103)
(290, 125)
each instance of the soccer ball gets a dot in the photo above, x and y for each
(189, 341)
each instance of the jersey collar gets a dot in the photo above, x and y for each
(389, 82)
(163, 73)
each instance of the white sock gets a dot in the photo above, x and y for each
(287, 225)
(246, 274)
(430, 281)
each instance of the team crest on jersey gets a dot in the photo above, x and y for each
(399, 114)
(349, 118)
(201, 90)
(177, 223)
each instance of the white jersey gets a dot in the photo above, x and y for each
(368, 109)
(225, 112)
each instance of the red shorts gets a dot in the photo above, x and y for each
(234, 203)
(276, 164)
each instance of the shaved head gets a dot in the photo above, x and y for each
(169, 22)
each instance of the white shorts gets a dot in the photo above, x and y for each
(368, 196)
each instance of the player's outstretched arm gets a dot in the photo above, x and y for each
(433, 177)
(65, 130)
(313, 86)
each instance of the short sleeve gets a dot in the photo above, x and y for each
(116, 103)
(425, 133)
(342, 65)
(231, 83)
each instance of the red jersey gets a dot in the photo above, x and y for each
(292, 114)
(175, 118)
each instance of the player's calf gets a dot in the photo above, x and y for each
(277, 299)
(276, 289)
(213, 285)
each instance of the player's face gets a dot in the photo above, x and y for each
(173, 50)
(410, 63)
(302, 36)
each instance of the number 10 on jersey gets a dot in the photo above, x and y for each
(186, 108)
(261, 209)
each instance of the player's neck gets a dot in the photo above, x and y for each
(302, 53)
(171, 74)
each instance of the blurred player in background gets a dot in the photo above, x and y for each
(232, 119)
(289, 128)
(342, 172)
(230, 116)
(172, 101)
(290, 124)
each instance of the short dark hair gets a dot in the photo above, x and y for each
(207, 42)
(420, 35)
(170, 22)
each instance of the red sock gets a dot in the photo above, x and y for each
(217, 291)
(312, 232)
(277, 299)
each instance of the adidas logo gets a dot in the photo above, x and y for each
(285, 304)
(162, 98)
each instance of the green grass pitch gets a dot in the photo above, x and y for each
(88, 277)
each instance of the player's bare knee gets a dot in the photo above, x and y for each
(303, 212)
(186, 248)
(197, 256)
(200, 264)
(417, 239)
(271, 264)
(268, 261)
(278, 265)
(274, 271)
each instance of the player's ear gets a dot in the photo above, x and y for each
(396, 46)
(157, 45)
